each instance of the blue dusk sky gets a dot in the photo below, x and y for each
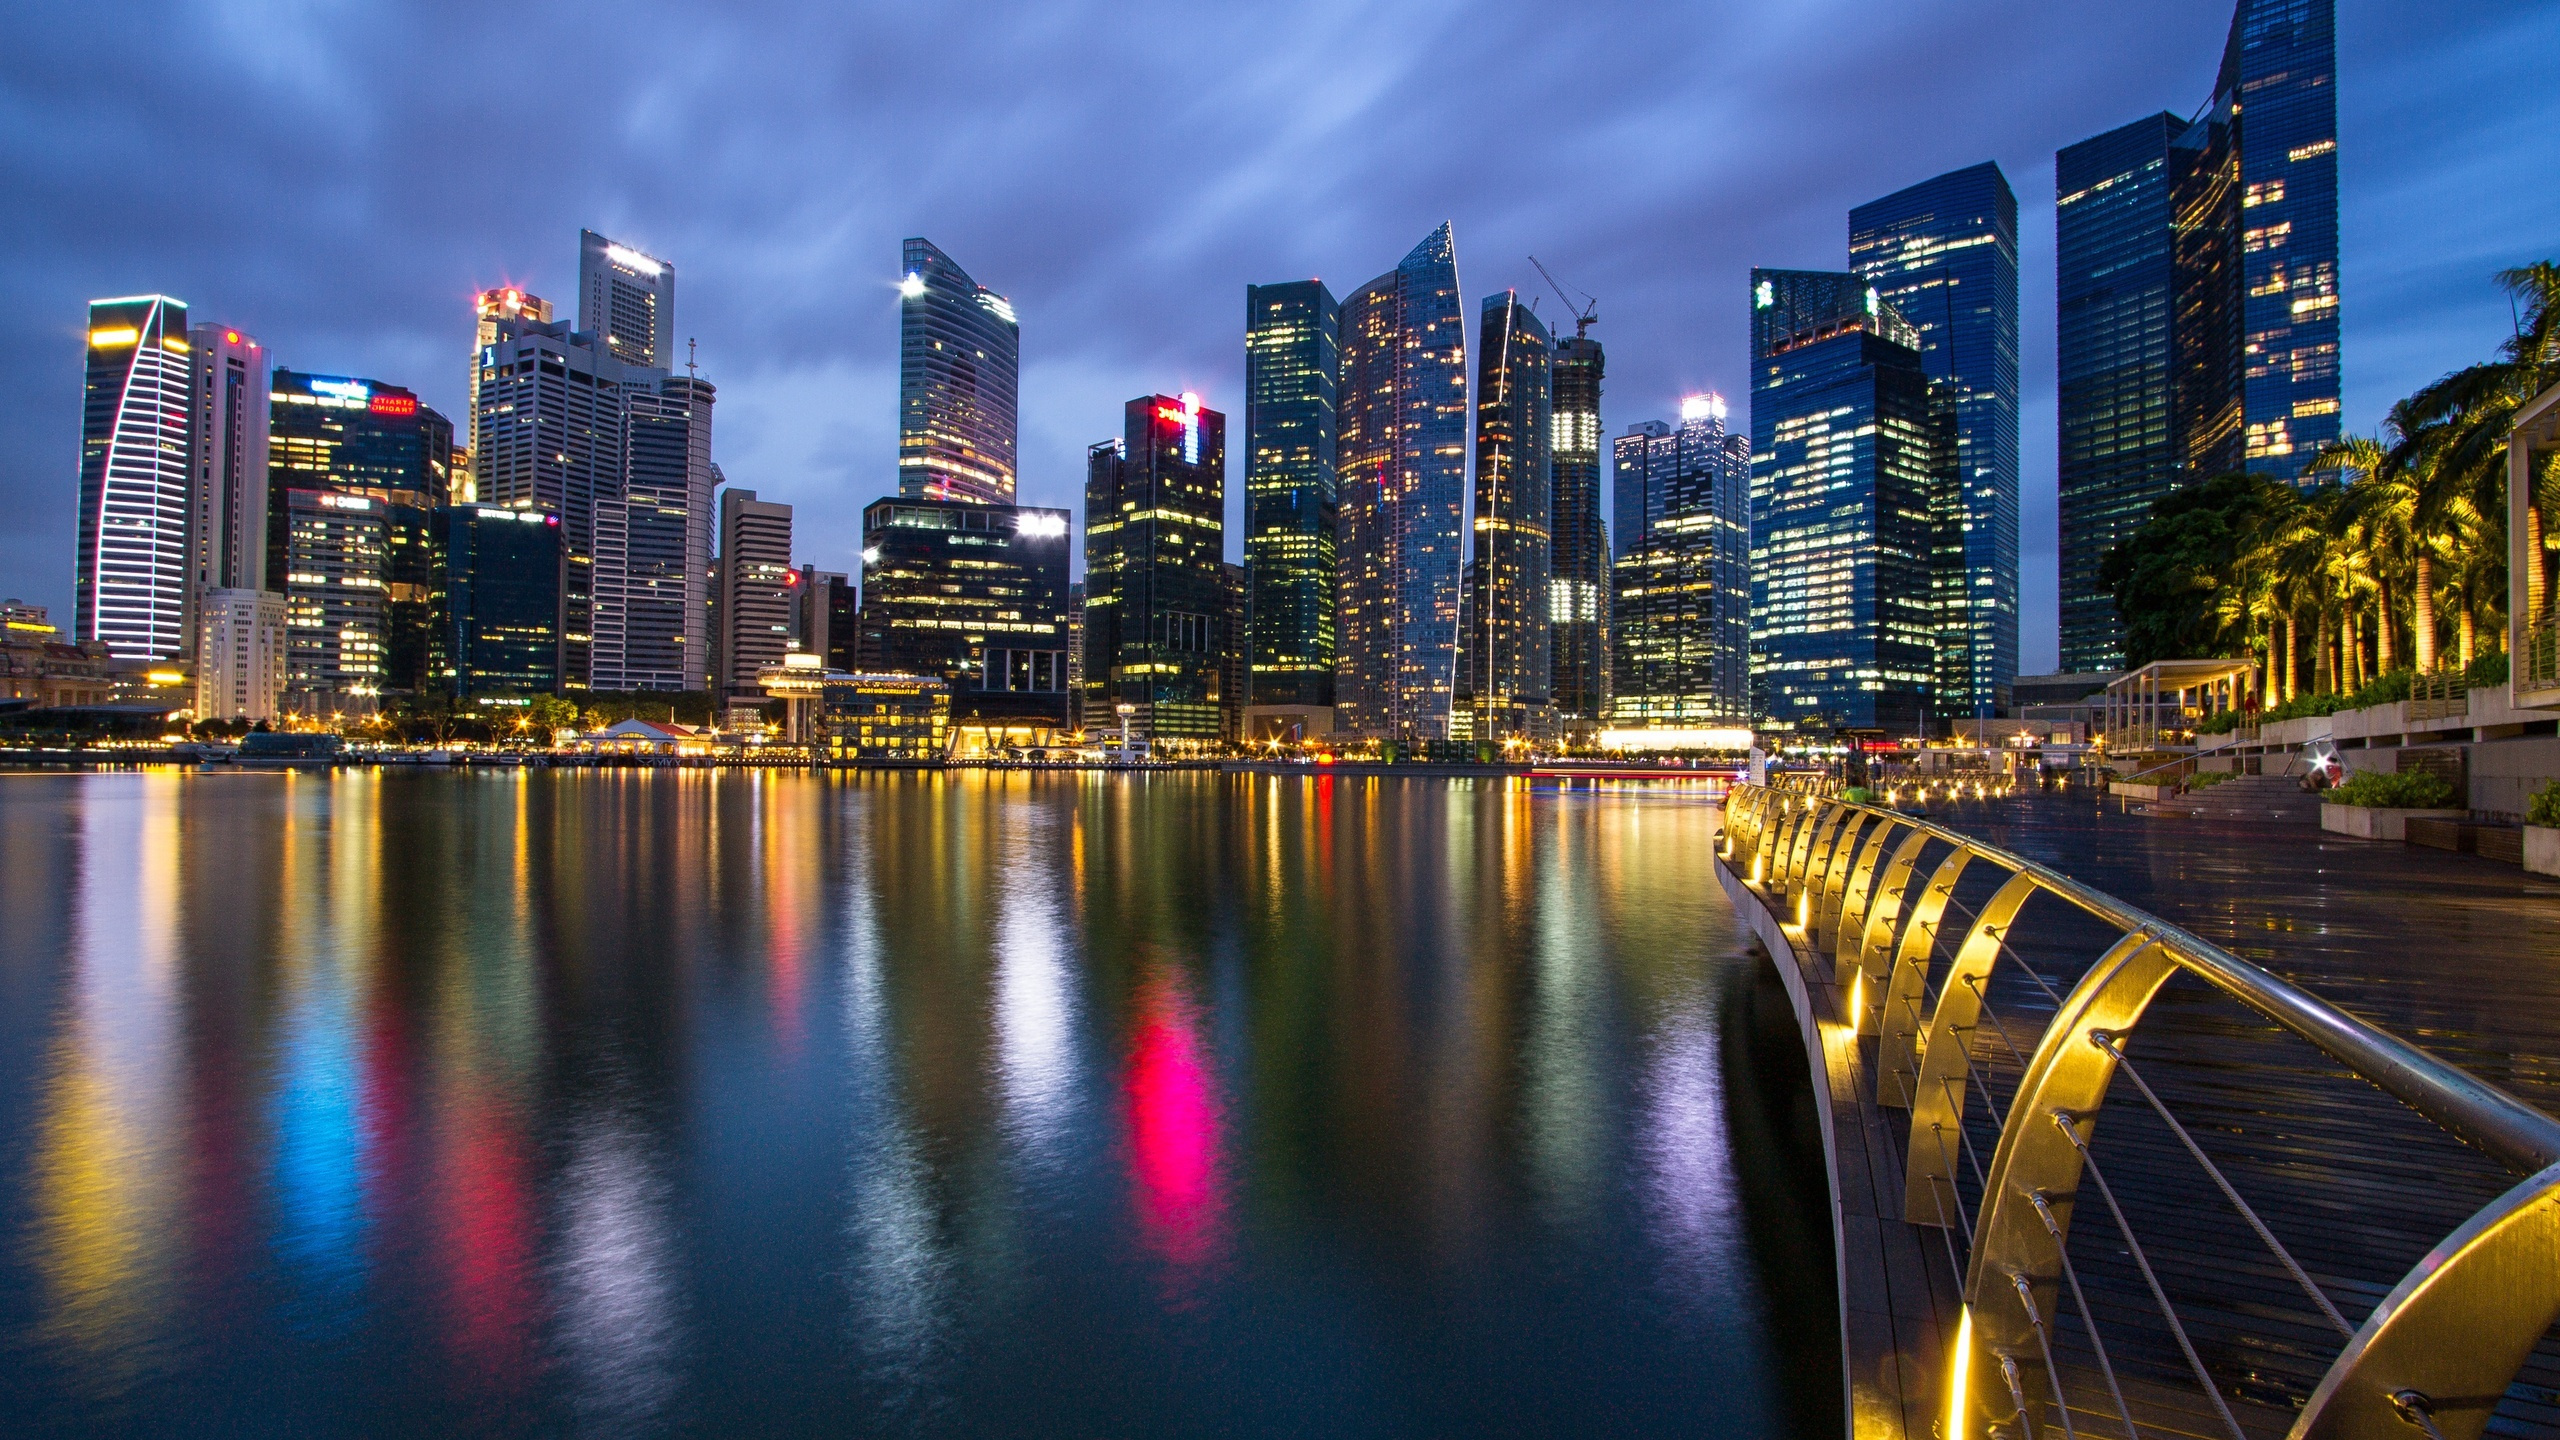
(338, 179)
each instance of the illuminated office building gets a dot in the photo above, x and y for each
(1155, 621)
(328, 547)
(759, 591)
(959, 360)
(2197, 298)
(974, 595)
(827, 622)
(666, 626)
(628, 301)
(489, 307)
(1292, 357)
(1843, 612)
(1944, 254)
(1680, 625)
(1401, 454)
(1578, 583)
(239, 652)
(360, 437)
(1507, 657)
(497, 602)
(227, 456)
(136, 493)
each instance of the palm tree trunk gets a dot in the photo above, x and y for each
(2323, 671)
(2537, 589)
(2425, 602)
(2292, 655)
(2470, 629)
(2382, 624)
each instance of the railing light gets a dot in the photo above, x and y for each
(1959, 1370)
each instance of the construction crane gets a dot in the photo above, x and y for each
(1582, 316)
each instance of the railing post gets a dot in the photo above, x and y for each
(1826, 905)
(1898, 1043)
(1937, 1105)
(1849, 935)
(1884, 919)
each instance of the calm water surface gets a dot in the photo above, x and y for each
(738, 1103)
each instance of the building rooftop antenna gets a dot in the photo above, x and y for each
(1583, 316)
(689, 369)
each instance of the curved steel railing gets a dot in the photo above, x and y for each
(2456, 1329)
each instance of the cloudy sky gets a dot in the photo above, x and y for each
(339, 178)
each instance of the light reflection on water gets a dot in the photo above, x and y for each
(611, 1103)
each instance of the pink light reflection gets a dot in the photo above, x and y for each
(1171, 1093)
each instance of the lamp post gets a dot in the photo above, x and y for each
(1126, 711)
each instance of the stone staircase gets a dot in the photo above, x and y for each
(2264, 798)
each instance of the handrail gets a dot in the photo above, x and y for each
(2491, 1283)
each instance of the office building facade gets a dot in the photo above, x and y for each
(136, 493)
(1155, 629)
(1680, 635)
(1292, 340)
(959, 364)
(627, 300)
(227, 454)
(1843, 613)
(329, 548)
(497, 602)
(345, 435)
(828, 623)
(666, 530)
(759, 591)
(2197, 294)
(239, 653)
(489, 308)
(1578, 579)
(1944, 254)
(976, 596)
(1401, 455)
(1507, 652)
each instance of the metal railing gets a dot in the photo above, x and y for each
(2430, 1359)
(2537, 660)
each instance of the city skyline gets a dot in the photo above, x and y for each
(817, 395)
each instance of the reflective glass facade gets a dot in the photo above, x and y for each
(1944, 253)
(975, 595)
(1680, 620)
(1578, 583)
(1291, 358)
(2280, 77)
(1506, 636)
(1843, 612)
(1156, 630)
(361, 437)
(959, 362)
(328, 548)
(130, 577)
(1402, 457)
(497, 602)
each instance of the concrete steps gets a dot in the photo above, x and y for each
(2262, 798)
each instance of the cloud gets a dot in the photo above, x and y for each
(339, 179)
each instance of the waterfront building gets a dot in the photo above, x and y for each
(627, 300)
(240, 652)
(1155, 630)
(884, 717)
(758, 589)
(329, 548)
(1292, 338)
(1401, 456)
(666, 626)
(1944, 254)
(2197, 298)
(1507, 660)
(227, 458)
(976, 596)
(25, 617)
(1680, 616)
(497, 602)
(350, 436)
(136, 493)
(959, 361)
(827, 624)
(489, 308)
(1578, 573)
(1843, 617)
(1236, 612)
(1629, 491)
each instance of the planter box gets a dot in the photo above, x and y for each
(2372, 822)
(2542, 849)
(2146, 793)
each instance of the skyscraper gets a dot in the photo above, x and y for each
(228, 450)
(1630, 490)
(1944, 253)
(1155, 628)
(497, 602)
(489, 307)
(239, 653)
(136, 496)
(627, 300)
(667, 535)
(1402, 456)
(976, 596)
(1292, 357)
(2197, 298)
(1577, 587)
(1507, 641)
(1680, 625)
(758, 589)
(959, 358)
(1843, 619)
(355, 437)
(328, 545)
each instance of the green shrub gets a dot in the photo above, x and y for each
(2413, 790)
(2488, 670)
(2207, 779)
(2544, 809)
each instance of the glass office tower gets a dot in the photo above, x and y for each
(349, 436)
(1944, 253)
(627, 300)
(130, 576)
(497, 602)
(1402, 456)
(975, 595)
(1578, 578)
(1291, 356)
(1843, 620)
(1155, 608)
(1508, 659)
(1680, 627)
(2197, 294)
(959, 361)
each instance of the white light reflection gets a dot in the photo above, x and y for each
(1686, 1157)
(1564, 1100)
(1035, 1005)
(619, 1322)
